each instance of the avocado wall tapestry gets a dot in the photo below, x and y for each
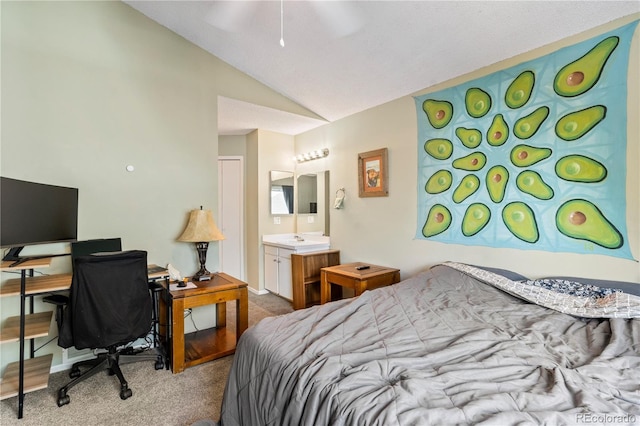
(533, 156)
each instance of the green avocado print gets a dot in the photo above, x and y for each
(439, 182)
(582, 74)
(470, 138)
(498, 131)
(525, 155)
(468, 186)
(519, 91)
(438, 220)
(527, 126)
(582, 220)
(531, 183)
(520, 220)
(439, 113)
(578, 168)
(472, 162)
(475, 218)
(497, 178)
(508, 152)
(478, 102)
(576, 124)
(440, 149)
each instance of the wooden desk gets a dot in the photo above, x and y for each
(206, 345)
(31, 374)
(359, 280)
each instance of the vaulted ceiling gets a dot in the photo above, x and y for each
(342, 57)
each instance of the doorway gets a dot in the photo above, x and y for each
(231, 215)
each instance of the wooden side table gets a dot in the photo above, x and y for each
(206, 345)
(359, 280)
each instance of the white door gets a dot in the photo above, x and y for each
(231, 215)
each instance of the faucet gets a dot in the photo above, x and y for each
(299, 238)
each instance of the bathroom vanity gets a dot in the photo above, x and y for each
(278, 249)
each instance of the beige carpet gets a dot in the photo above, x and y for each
(159, 397)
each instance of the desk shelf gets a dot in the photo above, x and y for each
(28, 326)
(37, 285)
(35, 325)
(36, 376)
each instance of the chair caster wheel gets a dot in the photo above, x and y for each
(159, 364)
(63, 400)
(75, 372)
(125, 393)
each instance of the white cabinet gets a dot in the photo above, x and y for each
(277, 271)
(271, 269)
(278, 249)
(285, 286)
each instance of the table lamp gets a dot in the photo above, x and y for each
(201, 229)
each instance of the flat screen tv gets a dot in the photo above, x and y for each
(36, 213)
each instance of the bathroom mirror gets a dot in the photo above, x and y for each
(308, 193)
(313, 202)
(282, 199)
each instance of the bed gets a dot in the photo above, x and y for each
(456, 344)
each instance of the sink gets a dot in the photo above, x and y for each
(289, 241)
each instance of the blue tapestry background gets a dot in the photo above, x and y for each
(604, 143)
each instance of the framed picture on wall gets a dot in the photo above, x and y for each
(373, 175)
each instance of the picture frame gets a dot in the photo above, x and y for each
(373, 174)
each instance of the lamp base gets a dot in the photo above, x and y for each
(201, 276)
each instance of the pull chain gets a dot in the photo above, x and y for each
(282, 23)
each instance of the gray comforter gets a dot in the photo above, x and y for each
(439, 348)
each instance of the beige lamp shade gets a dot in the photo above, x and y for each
(201, 228)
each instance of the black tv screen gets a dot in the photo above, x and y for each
(36, 213)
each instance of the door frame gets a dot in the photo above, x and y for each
(243, 265)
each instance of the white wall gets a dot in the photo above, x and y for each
(381, 230)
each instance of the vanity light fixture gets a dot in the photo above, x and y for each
(312, 155)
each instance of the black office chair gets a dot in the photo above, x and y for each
(109, 307)
(106, 245)
(82, 248)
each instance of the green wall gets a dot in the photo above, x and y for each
(91, 87)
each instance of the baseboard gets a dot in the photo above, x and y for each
(258, 292)
(70, 356)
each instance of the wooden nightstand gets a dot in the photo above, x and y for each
(206, 345)
(357, 279)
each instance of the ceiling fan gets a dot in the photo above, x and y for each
(340, 17)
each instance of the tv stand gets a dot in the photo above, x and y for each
(20, 260)
(13, 254)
